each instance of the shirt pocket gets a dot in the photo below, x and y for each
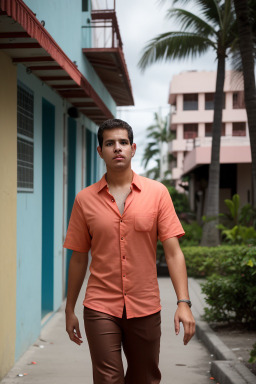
(143, 223)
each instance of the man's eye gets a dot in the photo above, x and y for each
(108, 144)
(123, 142)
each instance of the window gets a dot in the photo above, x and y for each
(238, 100)
(190, 131)
(239, 129)
(190, 102)
(209, 101)
(25, 139)
(85, 5)
(208, 130)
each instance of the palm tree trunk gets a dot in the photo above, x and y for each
(210, 236)
(246, 49)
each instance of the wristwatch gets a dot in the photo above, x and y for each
(185, 301)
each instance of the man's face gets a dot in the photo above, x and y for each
(116, 150)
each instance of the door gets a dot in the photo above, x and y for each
(48, 140)
(71, 175)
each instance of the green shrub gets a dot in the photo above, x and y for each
(231, 296)
(193, 234)
(237, 225)
(239, 234)
(253, 354)
(180, 200)
(204, 261)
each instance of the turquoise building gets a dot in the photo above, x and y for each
(62, 73)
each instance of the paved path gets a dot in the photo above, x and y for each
(61, 361)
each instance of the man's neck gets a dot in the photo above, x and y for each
(119, 179)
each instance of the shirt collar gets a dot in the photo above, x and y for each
(102, 183)
(135, 182)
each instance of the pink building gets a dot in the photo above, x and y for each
(191, 98)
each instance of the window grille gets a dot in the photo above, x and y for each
(190, 131)
(239, 129)
(190, 102)
(238, 100)
(209, 101)
(25, 139)
(208, 129)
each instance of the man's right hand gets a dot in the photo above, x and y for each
(72, 328)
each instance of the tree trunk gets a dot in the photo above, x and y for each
(246, 49)
(210, 236)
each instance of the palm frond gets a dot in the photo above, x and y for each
(190, 21)
(174, 45)
(149, 155)
(209, 8)
(236, 61)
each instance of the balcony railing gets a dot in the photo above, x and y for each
(190, 135)
(103, 25)
(103, 49)
(103, 4)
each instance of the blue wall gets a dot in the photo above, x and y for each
(29, 205)
(29, 224)
(29, 246)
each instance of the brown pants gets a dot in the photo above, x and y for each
(140, 338)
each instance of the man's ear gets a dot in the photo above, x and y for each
(100, 151)
(133, 149)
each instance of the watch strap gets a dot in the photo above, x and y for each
(185, 301)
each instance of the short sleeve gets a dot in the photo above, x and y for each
(168, 222)
(78, 237)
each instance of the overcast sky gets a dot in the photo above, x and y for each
(139, 21)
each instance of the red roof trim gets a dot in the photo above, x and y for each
(22, 14)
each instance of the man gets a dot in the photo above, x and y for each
(120, 219)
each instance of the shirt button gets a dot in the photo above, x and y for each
(121, 221)
(113, 200)
(123, 275)
(123, 257)
(122, 238)
(125, 294)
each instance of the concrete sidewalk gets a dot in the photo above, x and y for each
(61, 361)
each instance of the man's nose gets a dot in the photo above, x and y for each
(117, 147)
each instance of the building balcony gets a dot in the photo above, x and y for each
(189, 144)
(229, 154)
(226, 141)
(107, 57)
(206, 116)
(181, 145)
(176, 173)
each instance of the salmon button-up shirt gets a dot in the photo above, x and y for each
(123, 247)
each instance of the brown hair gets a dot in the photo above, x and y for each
(112, 124)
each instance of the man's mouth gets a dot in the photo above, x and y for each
(118, 157)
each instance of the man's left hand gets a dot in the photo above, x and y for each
(184, 315)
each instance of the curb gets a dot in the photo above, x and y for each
(226, 369)
(232, 372)
(213, 342)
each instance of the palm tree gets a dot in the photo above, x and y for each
(245, 30)
(158, 133)
(215, 30)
